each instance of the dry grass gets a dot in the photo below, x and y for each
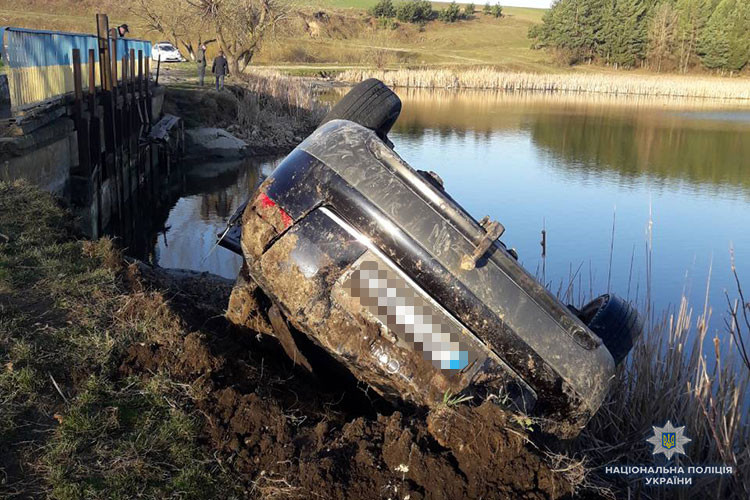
(609, 83)
(270, 111)
(292, 96)
(669, 375)
(70, 427)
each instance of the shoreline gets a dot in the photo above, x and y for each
(269, 111)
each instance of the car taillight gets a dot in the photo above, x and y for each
(271, 212)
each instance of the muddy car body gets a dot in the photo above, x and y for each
(378, 265)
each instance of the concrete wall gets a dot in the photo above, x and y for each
(43, 157)
(46, 155)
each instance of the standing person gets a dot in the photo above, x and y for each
(201, 64)
(220, 68)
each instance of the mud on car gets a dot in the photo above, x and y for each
(373, 262)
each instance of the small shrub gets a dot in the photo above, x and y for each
(469, 9)
(415, 11)
(384, 9)
(387, 23)
(451, 14)
(497, 10)
(487, 9)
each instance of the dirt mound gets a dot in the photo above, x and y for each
(291, 435)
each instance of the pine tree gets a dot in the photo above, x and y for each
(693, 15)
(724, 43)
(606, 36)
(739, 37)
(630, 34)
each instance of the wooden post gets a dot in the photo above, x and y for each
(140, 71)
(132, 137)
(77, 83)
(95, 146)
(133, 102)
(93, 108)
(117, 147)
(102, 30)
(108, 81)
(125, 135)
(132, 65)
(82, 128)
(141, 90)
(124, 94)
(115, 72)
(149, 113)
(105, 79)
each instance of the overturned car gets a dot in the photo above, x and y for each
(376, 264)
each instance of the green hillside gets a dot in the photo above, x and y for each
(345, 36)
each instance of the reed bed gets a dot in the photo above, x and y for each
(673, 373)
(670, 377)
(293, 96)
(597, 83)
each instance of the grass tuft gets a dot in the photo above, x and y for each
(70, 427)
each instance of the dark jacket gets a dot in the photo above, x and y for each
(201, 60)
(220, 66)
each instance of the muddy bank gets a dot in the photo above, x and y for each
(286, 434)
(272, 113)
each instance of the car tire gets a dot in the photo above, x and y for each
(370, 104)
(615, 321)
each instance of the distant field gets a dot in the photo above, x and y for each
(337, 4)
(349, 39)
(480, 41)
(61, 20)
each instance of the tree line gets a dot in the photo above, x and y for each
(659, 34)
(421, 11)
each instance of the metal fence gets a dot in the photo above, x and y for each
(39, 63)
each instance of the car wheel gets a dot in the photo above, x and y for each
(370, 104)
(615, 321)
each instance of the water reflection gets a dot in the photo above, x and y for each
(699, 141)
(208, 194)
(576, 164)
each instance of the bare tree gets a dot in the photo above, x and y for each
(241, 25)
(179, 21)
(662, 34)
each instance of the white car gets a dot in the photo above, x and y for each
(166, 52)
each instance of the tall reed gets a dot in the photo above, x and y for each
(600, 83)
(670, 377)
(293, 96)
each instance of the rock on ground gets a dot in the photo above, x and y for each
(216, 142)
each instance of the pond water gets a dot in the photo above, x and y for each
(669, 179)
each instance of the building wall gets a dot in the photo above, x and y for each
(40, 63)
